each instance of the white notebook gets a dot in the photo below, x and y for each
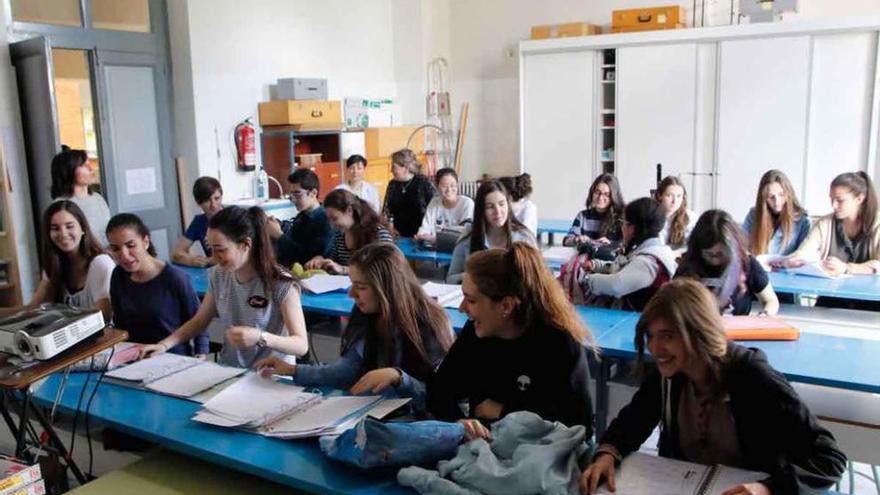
(255, 401)
(149, 370)
(652, 475)
(191, 381)
(320, 284)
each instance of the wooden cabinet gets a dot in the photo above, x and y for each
(10, 284)
(283, 145)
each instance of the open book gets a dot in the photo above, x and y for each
(448, 295)
(275, 409)
(647, 474)
(175, 375)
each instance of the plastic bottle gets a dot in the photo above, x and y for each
(261, 185)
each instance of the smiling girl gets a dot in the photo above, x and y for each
(355, 168)
(672, 196)
(522, 348)
(600, 222)
(150, 298)
(716, 403)
(256, 301)
(395, 339)
(449, 209)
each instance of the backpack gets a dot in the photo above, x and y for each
(570, 275)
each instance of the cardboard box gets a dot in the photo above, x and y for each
(15, 475)
(565, 30)
(365, 112)
(36, 488)
(381, 142)
(314, 114)
(299, 88)
(648, 18)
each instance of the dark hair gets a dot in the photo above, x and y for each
(477, 234)
(766, 222)
(443, 172)
(520, 272)
(366, 221)
(403, 306)
(238, 225)
(407, 158)
(612, 216)
(647, 218)
(718, 227)
(55, 263)
(205, 187)
(519, 186)
(860, 184)
(306, 178)
(133, 222)
(678, 224)
(354, 159)
(64, 170)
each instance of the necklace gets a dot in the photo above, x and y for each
(407, 184)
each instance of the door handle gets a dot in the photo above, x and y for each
(645, 18)
(317, 113)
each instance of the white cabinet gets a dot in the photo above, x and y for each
(558, 130)
(762, 116)
(656, 114)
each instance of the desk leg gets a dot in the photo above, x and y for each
(22, 426)
(4, 410)
(54, 440)
(602, 395)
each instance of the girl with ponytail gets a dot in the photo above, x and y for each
(516, 312)
(256, 300)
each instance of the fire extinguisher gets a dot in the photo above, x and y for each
(245, 145)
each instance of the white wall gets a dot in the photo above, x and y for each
(225, 57)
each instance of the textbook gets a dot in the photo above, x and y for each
(447, 295)
(653, 475)
(16, 476)
(174, 375)
(275, 409)
(748, 327)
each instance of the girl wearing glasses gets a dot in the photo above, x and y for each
(600, 223)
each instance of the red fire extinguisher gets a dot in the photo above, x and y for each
(245, 145)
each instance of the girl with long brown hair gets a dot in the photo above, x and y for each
(356, 224)
(716, 403)
(777, 224)
(255, 299)
(395, 339)
(672, 196)
(521, 349)
(601, 221)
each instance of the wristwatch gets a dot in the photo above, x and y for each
(262, 342)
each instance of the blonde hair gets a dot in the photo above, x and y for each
(407, 158)
(687, 306)
(766, 222)
(520, 272)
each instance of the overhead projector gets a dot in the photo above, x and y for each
(45, 332)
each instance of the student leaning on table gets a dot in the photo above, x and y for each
(716, 403)
(256, 300)
(396, 336)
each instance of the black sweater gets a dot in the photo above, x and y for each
(544, 371)
(407, 202)
(776, 432)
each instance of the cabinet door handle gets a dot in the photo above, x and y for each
(317, 113)
(645, 18)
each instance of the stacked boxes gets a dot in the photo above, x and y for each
(20, 479)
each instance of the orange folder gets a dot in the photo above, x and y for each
(759, 328)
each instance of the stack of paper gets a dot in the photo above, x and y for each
(253, 401)
(320, 284)
(448, 295)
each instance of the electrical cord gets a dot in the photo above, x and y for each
(89, 407)
(82, 394)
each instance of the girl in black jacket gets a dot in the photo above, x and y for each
(716, 403)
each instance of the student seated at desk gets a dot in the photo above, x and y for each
(395, 339)
(716, 403)
(449, 209)
(408, 194)
(680, 221)
(777, 224)
(309, 233)
(846, 241)
(647, 263)
(76, 270)
(150, 298)
(256, 300)
(208, 194)
(524, 209)
(522, 348)
(72, 176)
(717, 256)
(355, 166)
(494, 226)
(600, 222)
(356, 226)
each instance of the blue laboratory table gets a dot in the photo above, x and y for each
(412, 251)
(861, 287)
(551, 227)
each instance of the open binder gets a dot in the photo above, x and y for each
(280, 410)
(647, 474)
(175, 375)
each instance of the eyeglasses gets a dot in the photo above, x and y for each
(298, 193)
(600, 194)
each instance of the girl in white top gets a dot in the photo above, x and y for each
(449, 209)
(680, 221)
(71, 178)
(520, 189)
(76, 271)
(355, 166)
(253, 297)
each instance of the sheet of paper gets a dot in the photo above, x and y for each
(814, 269)
(326, 414)
(447, 295)
(728, 477)
(642, 474)
(154, 368)
(320, 284)
(193, 380)
(255, 399)
(559, 254)
(140, 180)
